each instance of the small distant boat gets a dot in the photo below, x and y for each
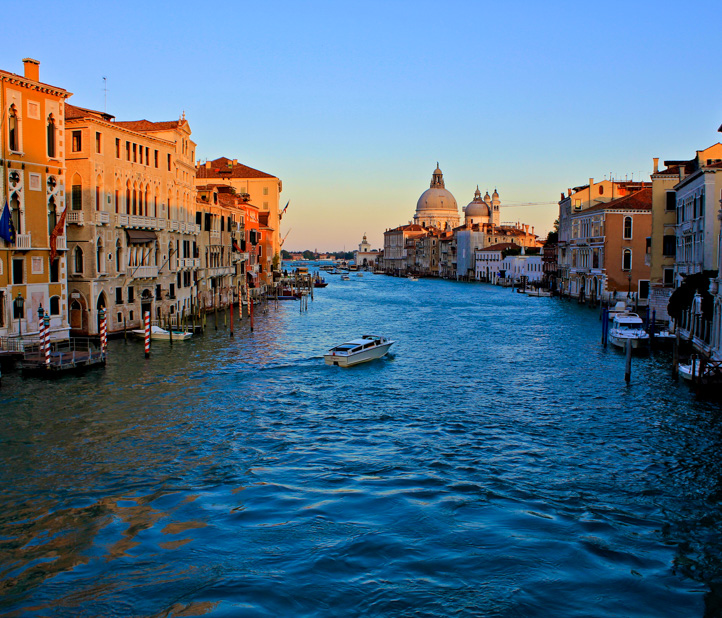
(318, 282)
(628, 327)
(345, 278)
(412, 278)
(359, 274)
(367, 348)
(158, 333)
(689, 371)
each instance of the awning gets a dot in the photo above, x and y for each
(139, 237)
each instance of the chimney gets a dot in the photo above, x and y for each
(235, 161)
(656, 164)
(591, 182)
(569, 192)
(532, 230)
(681, 171)
(32, 69)
(208, 165)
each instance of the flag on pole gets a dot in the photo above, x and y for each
(7, 233)
(236, 247)
(58, 230)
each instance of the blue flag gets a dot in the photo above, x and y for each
(6, 225)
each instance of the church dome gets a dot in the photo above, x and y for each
(437, 197)
(477, 207)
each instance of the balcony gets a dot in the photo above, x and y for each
(145, 272)
(76, 217)
(23, 242)
(215, 234)
(61, 243)
(102, 218)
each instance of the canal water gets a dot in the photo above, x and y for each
(495, 464)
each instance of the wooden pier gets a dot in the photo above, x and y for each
(75, 354)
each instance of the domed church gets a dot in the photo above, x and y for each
(484, 210)
(437, 207)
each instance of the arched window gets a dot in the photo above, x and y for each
(13, 129)
(118, 256)
(601, 190)
(55, 305)
(135, 199)
(117, 196)
(76, 193)
(127, 198)
(52, 215)
(51, 137)
(627, 259)
(627, 228)
(99, 262)
(15, 213)
(78, 260)
(147, 200)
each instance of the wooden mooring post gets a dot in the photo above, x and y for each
(628, 363)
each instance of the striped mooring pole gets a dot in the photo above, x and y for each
(147, 334)
(41, 329)
(46, 320)
(103, 331)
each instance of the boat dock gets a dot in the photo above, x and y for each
(71, 355)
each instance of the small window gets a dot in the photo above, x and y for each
(158, 292)
(76, 197)
(135, 153)
(169, 162)
(668, 277)
(98, 142)
(120, 317)
(172, 290)
(78, 255)
(118, 296)
(55, 271)
(55, 305)
(265, 190)
(77, 141)
(130, 316)
(671, 201)
(131, 295)
(147, 159)
(13, 130)
(127, 151)
(627, 259)
(156, 158)
(627, 228)
(17, 271)
(117, 148)
(669, 245)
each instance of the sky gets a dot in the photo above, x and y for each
(351, 104)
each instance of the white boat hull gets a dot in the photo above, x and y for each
(621, 342)
(164, 335)
(348, 360)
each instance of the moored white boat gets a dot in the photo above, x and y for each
(628, 327)
(158, 333)
(367, 348)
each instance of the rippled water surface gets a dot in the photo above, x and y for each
(496, 464)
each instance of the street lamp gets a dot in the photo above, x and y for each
(19, 304)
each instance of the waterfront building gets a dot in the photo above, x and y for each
(575, 201)
(132, 232)
(608, 248)
(716, 291)
(33, 185)
(427, 252)
(258, 188)
(365, 256)
(549, 262)
(223, 254)
(697, 227)
(488, 262)
(522, 268)
(395, 247)
(437, 206)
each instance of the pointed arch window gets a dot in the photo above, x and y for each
(118, 257)
(51, 136)
(15, 215)
(52, 215)
(13, 129)
(99, 257)
(78, 260)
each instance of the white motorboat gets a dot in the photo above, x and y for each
(689, 372)
(412, 278)
(367, 348)
(345, 278)
(628, 327)
(620, 308)
(158, 333)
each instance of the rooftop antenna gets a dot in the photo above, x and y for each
(105, 94)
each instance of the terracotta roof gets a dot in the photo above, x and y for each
(225, 168)
(501, 246)
(640, 200)
(145, 126)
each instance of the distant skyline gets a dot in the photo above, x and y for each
(352, 105)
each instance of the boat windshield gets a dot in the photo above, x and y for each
(343, 348)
